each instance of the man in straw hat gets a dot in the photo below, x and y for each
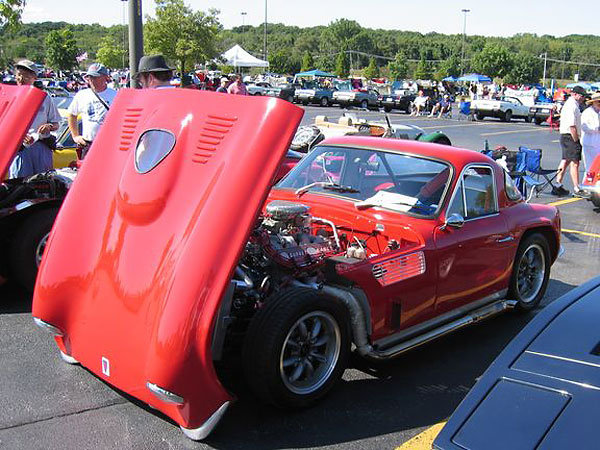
(590, 130)
(570, 133)
(154, 73)
(35, 155)
(92, 104)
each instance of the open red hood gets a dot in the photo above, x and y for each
(137, 263)
(18, 106)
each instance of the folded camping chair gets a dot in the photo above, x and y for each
(537, 177)
(464, 111)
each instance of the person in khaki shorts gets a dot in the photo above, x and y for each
(570, 133)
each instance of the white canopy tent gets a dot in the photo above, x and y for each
(236, 56)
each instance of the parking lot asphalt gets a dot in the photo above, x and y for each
(47, 404)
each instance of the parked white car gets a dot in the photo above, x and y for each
(505, 109)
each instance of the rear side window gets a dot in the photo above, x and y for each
(475, 194)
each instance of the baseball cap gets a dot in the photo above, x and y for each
(97, 70)
(578, 90)
(29, 65)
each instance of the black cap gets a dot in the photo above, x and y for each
(578, 90)
(153, 63)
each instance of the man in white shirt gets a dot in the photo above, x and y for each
(590, 130)
(92, 104)
(570, 133)
(419, 104)
(35, 156)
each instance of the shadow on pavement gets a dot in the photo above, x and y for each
(14, 299)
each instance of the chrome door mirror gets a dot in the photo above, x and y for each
(454, 221)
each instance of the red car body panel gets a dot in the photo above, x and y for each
(137, 264)
(462, 265)
(18, 106)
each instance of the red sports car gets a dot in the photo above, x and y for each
(171, 258)
(591, 183)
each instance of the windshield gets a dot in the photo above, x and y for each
(404, 183)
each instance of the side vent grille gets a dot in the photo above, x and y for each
(212, 134)
(399, 268)
(132, 117)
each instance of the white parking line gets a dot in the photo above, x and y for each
(513, 131)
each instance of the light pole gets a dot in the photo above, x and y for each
(545, 55)
(265, 40)
(244, 14)
(462, 54)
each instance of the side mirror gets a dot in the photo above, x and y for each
(454, 221)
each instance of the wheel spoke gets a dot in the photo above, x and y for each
(292, 343)
(302, 330)
(322, 359)
(316, 329)
(310, 370)
(287, 362)
(321, 341)
(297, 373)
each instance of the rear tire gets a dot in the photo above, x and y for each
(364, 104)
(28, 246)
(324, 101)
(538, 121)
(480, 116)
(296, 348)
(531, 271)
(528, 119)
(387, 109)
(595, 200)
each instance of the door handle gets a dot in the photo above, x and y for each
(505, 239)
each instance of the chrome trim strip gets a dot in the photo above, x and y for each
(197, 434)
(475, 316)
(46, 326)
(164, 395)
(439, 321)
(562, 358)
(67, 358)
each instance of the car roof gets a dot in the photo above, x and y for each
(455, 155)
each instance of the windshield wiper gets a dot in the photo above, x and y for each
(326, 185)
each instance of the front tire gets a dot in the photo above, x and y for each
(296, 348)
(28, 246)
(531, 271)
(324, 101)
(507, 116)
(364, 104)
(595, 198)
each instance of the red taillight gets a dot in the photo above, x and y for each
(590, 176)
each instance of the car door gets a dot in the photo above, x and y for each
(473, 260)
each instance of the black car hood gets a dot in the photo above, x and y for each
(543, 390)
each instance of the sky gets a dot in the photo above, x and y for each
(487, 18)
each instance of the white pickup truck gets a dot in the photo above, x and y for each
(504, 108)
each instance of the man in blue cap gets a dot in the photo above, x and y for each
(92, 104)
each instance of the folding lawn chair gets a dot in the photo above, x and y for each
(464, 111)
(537, 177)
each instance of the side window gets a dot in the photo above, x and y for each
(511, 190)
(458, 202)
(480, 196)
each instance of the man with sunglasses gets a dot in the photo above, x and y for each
(92, 104)
(35, 155)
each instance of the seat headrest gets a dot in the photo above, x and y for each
(344, 120)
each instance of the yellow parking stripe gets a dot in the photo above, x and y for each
(566, 230)
(424, 440)
(564, 202)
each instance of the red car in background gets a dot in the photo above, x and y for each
(591, 183)
(187, 259)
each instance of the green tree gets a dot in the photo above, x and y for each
(372, 70)
(449, 68)
(61, 49)
(181, 34)
(278, 61)
(307, 62)
(494, 60)
(423, 70)
(10, 14)
(110, 53)
(398, 67)
(527, 69)
(342, 65)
